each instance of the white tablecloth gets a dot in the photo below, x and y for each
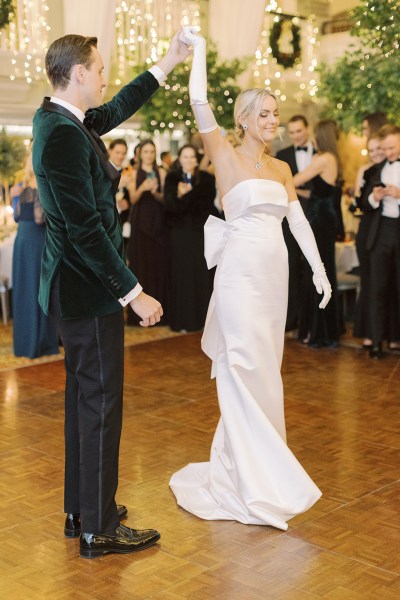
(6, 254)
(346, 257)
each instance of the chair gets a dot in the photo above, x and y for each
(4, 298)
(347, 282)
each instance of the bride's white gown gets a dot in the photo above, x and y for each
(252, 476)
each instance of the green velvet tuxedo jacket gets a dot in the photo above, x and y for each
(84, 244)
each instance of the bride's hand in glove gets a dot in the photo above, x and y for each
(189, 36)
(322, 286)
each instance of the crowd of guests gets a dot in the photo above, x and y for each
(163, 206)
(315, 164)
(377, 196)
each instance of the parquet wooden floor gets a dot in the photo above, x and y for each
(342, 412)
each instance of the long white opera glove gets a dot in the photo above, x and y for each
(198, 81)
(302, 232)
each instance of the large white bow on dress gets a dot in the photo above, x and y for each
(216, 232)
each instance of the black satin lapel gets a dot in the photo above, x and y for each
(93, 137)
(98, 140)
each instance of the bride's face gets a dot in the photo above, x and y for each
(267, 120)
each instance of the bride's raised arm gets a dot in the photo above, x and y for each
(214, 142)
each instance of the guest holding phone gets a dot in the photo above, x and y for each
(381, 195)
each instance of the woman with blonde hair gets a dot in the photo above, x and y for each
(252, 476)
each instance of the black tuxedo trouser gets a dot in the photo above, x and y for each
(384, 275)
(94, 366)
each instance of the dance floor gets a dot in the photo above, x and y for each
(342, 413)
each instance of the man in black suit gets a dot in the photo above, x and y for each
(298, 157)
(85, 281)
(381, 195)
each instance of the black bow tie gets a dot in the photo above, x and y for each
(305, 148)
(393, 161)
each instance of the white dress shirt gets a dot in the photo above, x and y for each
(390, 175)
(303, 158)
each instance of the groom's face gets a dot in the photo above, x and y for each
(94, 81)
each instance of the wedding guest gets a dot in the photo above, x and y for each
(117, 152)
(372, 122)
(321, 328)
(298, 156)
(189, 201)
(135, 159)
(380, 195)
(166, 160)
(362, 321)
(147, 250)
(34, 333)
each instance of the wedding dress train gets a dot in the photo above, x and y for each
(252, 476)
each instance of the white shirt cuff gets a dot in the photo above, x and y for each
(158, 73)
(131, 295)
(373, 202)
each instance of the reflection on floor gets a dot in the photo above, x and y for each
(342, 413)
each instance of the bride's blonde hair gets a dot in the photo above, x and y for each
(246, 103)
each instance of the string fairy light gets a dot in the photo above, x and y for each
(26, 38)
(144, 28)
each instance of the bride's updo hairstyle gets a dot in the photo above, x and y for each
(247, 103)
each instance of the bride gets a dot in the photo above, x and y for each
(252, 476)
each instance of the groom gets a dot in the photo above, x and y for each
(85, 282)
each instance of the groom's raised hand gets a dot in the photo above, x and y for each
(177, 52)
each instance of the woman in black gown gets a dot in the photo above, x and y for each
(319, 328)
(147, 250)
(189, 200)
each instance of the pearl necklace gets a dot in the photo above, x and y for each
(258, 164)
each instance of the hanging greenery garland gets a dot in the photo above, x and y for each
(286, 60)
(6, 12)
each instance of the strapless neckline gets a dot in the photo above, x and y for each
(247, 181)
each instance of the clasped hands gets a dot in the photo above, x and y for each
(189, 36)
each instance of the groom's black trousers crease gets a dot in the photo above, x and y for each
(94, 366)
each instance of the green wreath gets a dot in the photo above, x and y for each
(286, 60)
(6, 12)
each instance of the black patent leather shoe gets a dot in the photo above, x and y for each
(125, 541)
(376, 351)
(72, 527)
